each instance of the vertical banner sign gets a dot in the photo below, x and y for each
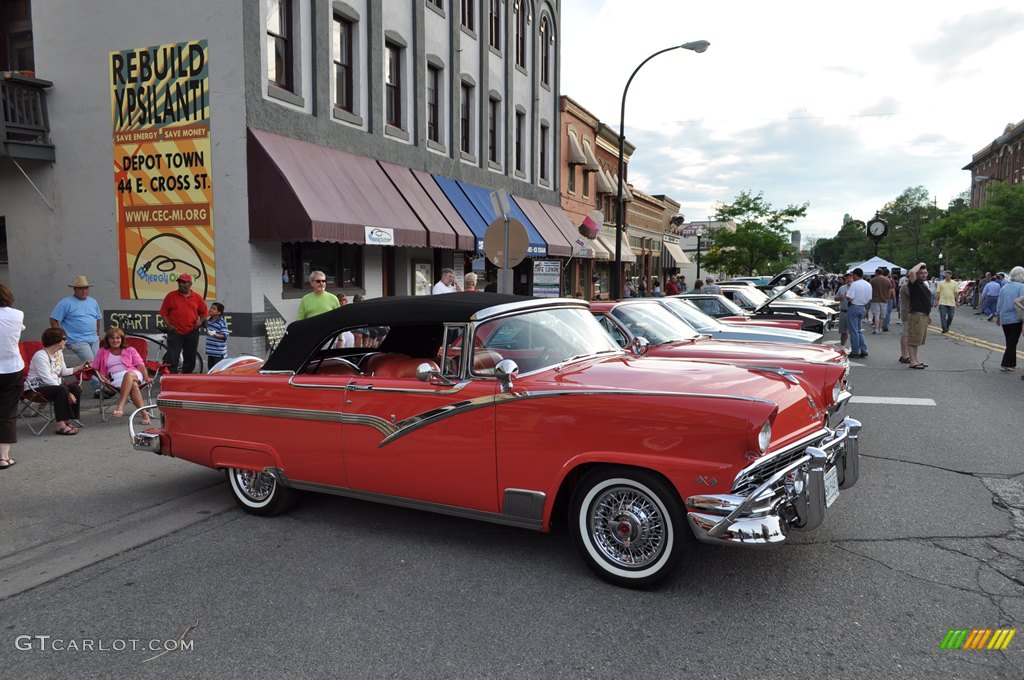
(160, 102)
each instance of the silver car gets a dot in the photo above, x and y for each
(707, 325)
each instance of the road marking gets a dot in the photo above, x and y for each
(898, 401)
(971, 340)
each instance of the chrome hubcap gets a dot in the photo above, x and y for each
(627, 527)
(256, 485)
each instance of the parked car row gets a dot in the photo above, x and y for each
(527, 412)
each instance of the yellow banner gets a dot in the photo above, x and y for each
(160, 116)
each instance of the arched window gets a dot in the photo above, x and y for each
(547, 40)
(522, 12)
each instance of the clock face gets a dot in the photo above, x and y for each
(877, 228)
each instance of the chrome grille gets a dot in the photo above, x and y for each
(755, 474)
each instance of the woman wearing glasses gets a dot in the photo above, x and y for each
(319, 301)
(46, 373)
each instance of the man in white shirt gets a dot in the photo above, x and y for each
(858, 296)
(447, 283)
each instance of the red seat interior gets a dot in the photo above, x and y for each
(484, 361)
(400, 366)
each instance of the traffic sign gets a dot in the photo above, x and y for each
(506, 242)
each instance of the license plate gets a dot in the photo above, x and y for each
(831, 486)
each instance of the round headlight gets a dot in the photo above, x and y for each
(764, 437)
(836, 389)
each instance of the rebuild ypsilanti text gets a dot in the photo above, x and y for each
(159, 85)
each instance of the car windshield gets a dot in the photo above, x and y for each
(542, 338)
(653, 322)
(729, 305)
(691, 315)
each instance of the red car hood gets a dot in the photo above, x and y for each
(796, 417)
(747, 352)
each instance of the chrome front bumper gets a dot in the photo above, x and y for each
(793, 497)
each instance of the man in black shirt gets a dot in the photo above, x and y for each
(920, 311)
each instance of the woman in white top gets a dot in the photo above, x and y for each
(46, 373)
(12, 323)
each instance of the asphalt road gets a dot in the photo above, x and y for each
(103, 546)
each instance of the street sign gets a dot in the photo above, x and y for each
(505, 243)
(499, 201)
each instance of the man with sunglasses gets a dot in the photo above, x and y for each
(183, 312)
(319, 301)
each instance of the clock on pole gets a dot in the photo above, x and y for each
(877, 228)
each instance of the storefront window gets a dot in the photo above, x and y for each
(341, 262)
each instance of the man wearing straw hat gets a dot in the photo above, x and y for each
(81, 318)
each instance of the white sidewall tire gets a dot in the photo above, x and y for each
(598, 559)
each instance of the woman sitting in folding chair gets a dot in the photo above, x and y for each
(122, 368)
(46, 373)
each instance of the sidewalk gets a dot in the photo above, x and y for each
(72, 501)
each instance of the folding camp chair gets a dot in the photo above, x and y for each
(154, 369)
(33, 407)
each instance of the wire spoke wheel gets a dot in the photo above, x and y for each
(259, 492)
(628, 525)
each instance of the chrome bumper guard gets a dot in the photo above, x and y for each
(836, 409)
(791, 498)
(143, 441)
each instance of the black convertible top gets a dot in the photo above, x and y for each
(428, 312)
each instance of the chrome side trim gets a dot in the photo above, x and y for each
(413, 423)
(245, 410)
(393, 431)
(412, 504)
(369, 387)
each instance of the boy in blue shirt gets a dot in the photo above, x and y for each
(216, 335)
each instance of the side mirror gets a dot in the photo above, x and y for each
(640, 346)
(426, 372)
(507, 371)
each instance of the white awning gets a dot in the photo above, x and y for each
(600, 252)
(676, 252)
(592, 164)
(608, 240)
(575, 150)
(604, 183)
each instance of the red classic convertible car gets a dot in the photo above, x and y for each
(824, 370)
(519, 411)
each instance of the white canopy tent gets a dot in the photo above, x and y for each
(869, 266)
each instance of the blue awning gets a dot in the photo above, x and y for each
(474, 205)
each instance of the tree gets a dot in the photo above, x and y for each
(761, 240)
(988, 238)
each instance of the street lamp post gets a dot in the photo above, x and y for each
(700, 232)
(616, 274)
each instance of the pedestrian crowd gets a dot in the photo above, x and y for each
(999, 297)
(75, 350)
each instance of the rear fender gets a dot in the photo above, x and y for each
(256, 459)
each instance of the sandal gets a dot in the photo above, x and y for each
(904, 360)
(118, 413)
(921, 366)
(67, 431)
(4, 464)
(145, 419)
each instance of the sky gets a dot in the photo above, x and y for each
(839, 105)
